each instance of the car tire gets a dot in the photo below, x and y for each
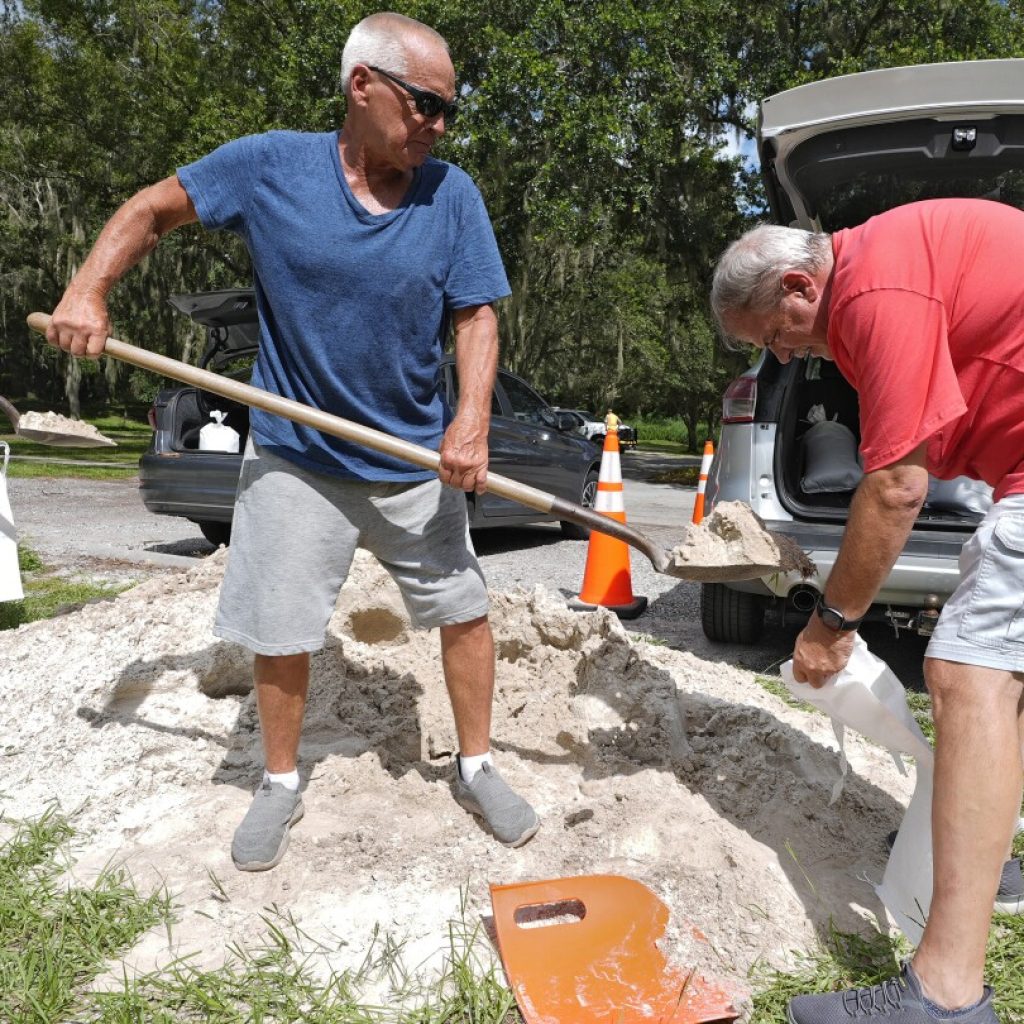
(215, 532)
(730, 616)
(573, 531)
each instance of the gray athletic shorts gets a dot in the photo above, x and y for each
(983, 622)
(295, 533)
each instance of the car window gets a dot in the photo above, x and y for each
(853, 202)
(527, 405)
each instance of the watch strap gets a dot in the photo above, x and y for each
(843, 624)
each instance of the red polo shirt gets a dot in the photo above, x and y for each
(926, 321)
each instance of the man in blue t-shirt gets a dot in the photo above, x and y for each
(364, 250)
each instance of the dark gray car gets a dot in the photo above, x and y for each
(528, 440)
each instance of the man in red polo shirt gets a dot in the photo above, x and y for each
(922, 310)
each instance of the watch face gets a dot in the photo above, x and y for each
(831, 618)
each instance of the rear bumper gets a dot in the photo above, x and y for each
(925, 575)
(197, 485)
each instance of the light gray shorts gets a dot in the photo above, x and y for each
(295, 533)
(983, 622)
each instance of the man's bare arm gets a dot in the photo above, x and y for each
(80, 323)
(464, 448)
(882, 515)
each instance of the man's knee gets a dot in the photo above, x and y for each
(954, 686)
(475, 628)
(281, 669)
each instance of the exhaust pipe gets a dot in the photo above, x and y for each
(803, 599)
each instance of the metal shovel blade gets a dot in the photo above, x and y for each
(77, 437)
(584, 951)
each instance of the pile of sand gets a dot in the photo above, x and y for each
(643, 761)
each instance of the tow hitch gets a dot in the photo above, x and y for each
(921, 621)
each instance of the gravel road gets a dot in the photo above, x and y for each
(101, 528)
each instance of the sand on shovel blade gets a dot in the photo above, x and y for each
(733, 544)
(53, 429)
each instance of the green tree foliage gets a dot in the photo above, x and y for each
(597, 131)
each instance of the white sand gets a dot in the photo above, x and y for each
(54, 423)
(643, 761)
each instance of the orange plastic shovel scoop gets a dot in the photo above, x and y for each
(583, 950)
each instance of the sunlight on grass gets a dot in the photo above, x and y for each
(55, 941)
(48, 594)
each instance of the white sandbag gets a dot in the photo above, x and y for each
(961, 495)
(10, 574)
(868, 697)
(218, 436)
(906, 887)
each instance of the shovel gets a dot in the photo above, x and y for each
(663, 561)
(53, 434)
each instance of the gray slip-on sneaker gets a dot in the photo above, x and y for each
(509, 817)
(896, 1001)
(1010, 895)
(262, 837)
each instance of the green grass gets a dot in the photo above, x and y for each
(118, 463)
(47, 594)
(54, 941)
(664, 430)
(852, 961)
(688, 476)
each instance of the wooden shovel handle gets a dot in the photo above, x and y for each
(336, 426)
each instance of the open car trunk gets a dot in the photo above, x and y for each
(817, 468)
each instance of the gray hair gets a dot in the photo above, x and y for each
(381, 40)
(749, 274)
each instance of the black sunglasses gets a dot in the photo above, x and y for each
(429, 104)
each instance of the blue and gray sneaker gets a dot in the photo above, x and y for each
(896, 1001)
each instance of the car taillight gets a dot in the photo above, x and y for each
(151, 417)
(739, 401)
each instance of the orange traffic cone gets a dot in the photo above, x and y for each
(702, 483)
(606, 581)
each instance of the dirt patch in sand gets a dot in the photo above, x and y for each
(642, 761)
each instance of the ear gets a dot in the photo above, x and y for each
(799, 282)
(358, 83)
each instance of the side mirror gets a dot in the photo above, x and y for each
(566, 422)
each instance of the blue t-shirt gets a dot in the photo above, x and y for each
(353, 306)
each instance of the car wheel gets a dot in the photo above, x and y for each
(730, 616)
(573, 531)
(215, 532)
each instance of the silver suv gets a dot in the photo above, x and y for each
(834, 153)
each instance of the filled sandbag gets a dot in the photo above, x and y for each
(961, 495)
(830, 461)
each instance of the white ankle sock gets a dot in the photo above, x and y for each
(290, 780)
(469, 766)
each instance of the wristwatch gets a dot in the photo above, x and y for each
(834, 619)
